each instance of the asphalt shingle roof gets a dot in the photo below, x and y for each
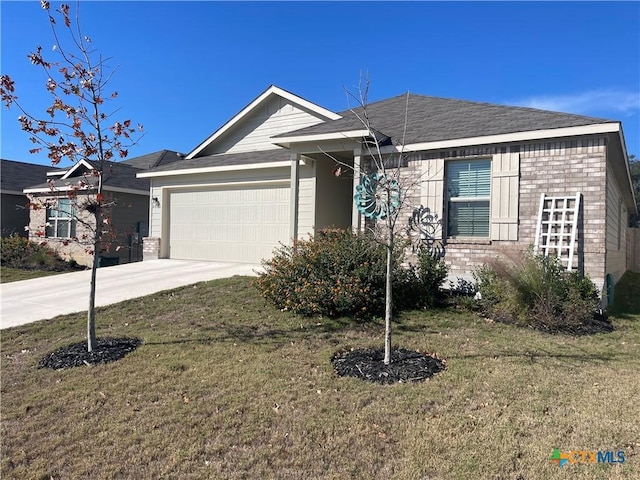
(431, 119)
(264, 156)
(156, 159)
(16, 176)
(115, 174)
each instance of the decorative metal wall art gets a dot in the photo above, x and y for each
(423, 229)
(377, 196)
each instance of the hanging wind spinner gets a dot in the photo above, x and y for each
(377, 196)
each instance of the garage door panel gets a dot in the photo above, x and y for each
(228, 224)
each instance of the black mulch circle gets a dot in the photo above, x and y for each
(76, 355)
(405, 365)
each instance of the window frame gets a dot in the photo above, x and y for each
(449, 199)
(57, 216)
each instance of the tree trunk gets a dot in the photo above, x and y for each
(388, 308)
(91, 313)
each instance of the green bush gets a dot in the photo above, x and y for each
(20, 252)
(420, 286)
(339, 273)
(537, 291)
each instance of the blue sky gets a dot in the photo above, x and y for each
(185, 68)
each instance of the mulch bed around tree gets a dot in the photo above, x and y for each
(76, 355)
(405, 366)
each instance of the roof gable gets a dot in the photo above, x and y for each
(274, 111)
(80, 168)
(115, 176)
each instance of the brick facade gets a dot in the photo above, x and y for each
(151, 248)
(125, 212)
(558, 168)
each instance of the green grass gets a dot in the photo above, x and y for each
(15, 274)
(228, 387)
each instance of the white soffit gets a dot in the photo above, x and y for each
(223, 168)
(286, 141)
(85, 190)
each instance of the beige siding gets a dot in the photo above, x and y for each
(633, 249)
(155, 209)
(616, 230)
(276, 116)
(333, 197)
(306, 202)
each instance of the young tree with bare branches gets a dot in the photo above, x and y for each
(77, 126)
(384, 197)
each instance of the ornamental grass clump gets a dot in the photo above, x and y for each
(537, 291)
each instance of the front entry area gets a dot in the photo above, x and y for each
(232, 223)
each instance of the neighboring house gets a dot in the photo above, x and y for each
(266, 176)
(62, 220)
(14, 177)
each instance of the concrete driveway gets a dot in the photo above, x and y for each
(43, 298)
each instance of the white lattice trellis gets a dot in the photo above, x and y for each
(557, 228)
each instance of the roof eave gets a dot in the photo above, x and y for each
(599, 128)
(222, 168)
(84, 191)
(287, 142)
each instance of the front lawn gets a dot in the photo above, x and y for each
(8, 274)
(225, 386)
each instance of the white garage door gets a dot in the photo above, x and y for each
(239, 224)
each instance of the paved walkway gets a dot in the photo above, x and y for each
(47, 297)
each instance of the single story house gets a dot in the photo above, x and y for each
(62, 220)
(14, 178)
(267, 176)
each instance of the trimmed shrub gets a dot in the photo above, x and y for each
(19, 252)
(420, 285)
(339, 273)
(537, 291)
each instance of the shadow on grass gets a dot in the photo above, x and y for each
(260, 334)
(627, 297)
(533, 357)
